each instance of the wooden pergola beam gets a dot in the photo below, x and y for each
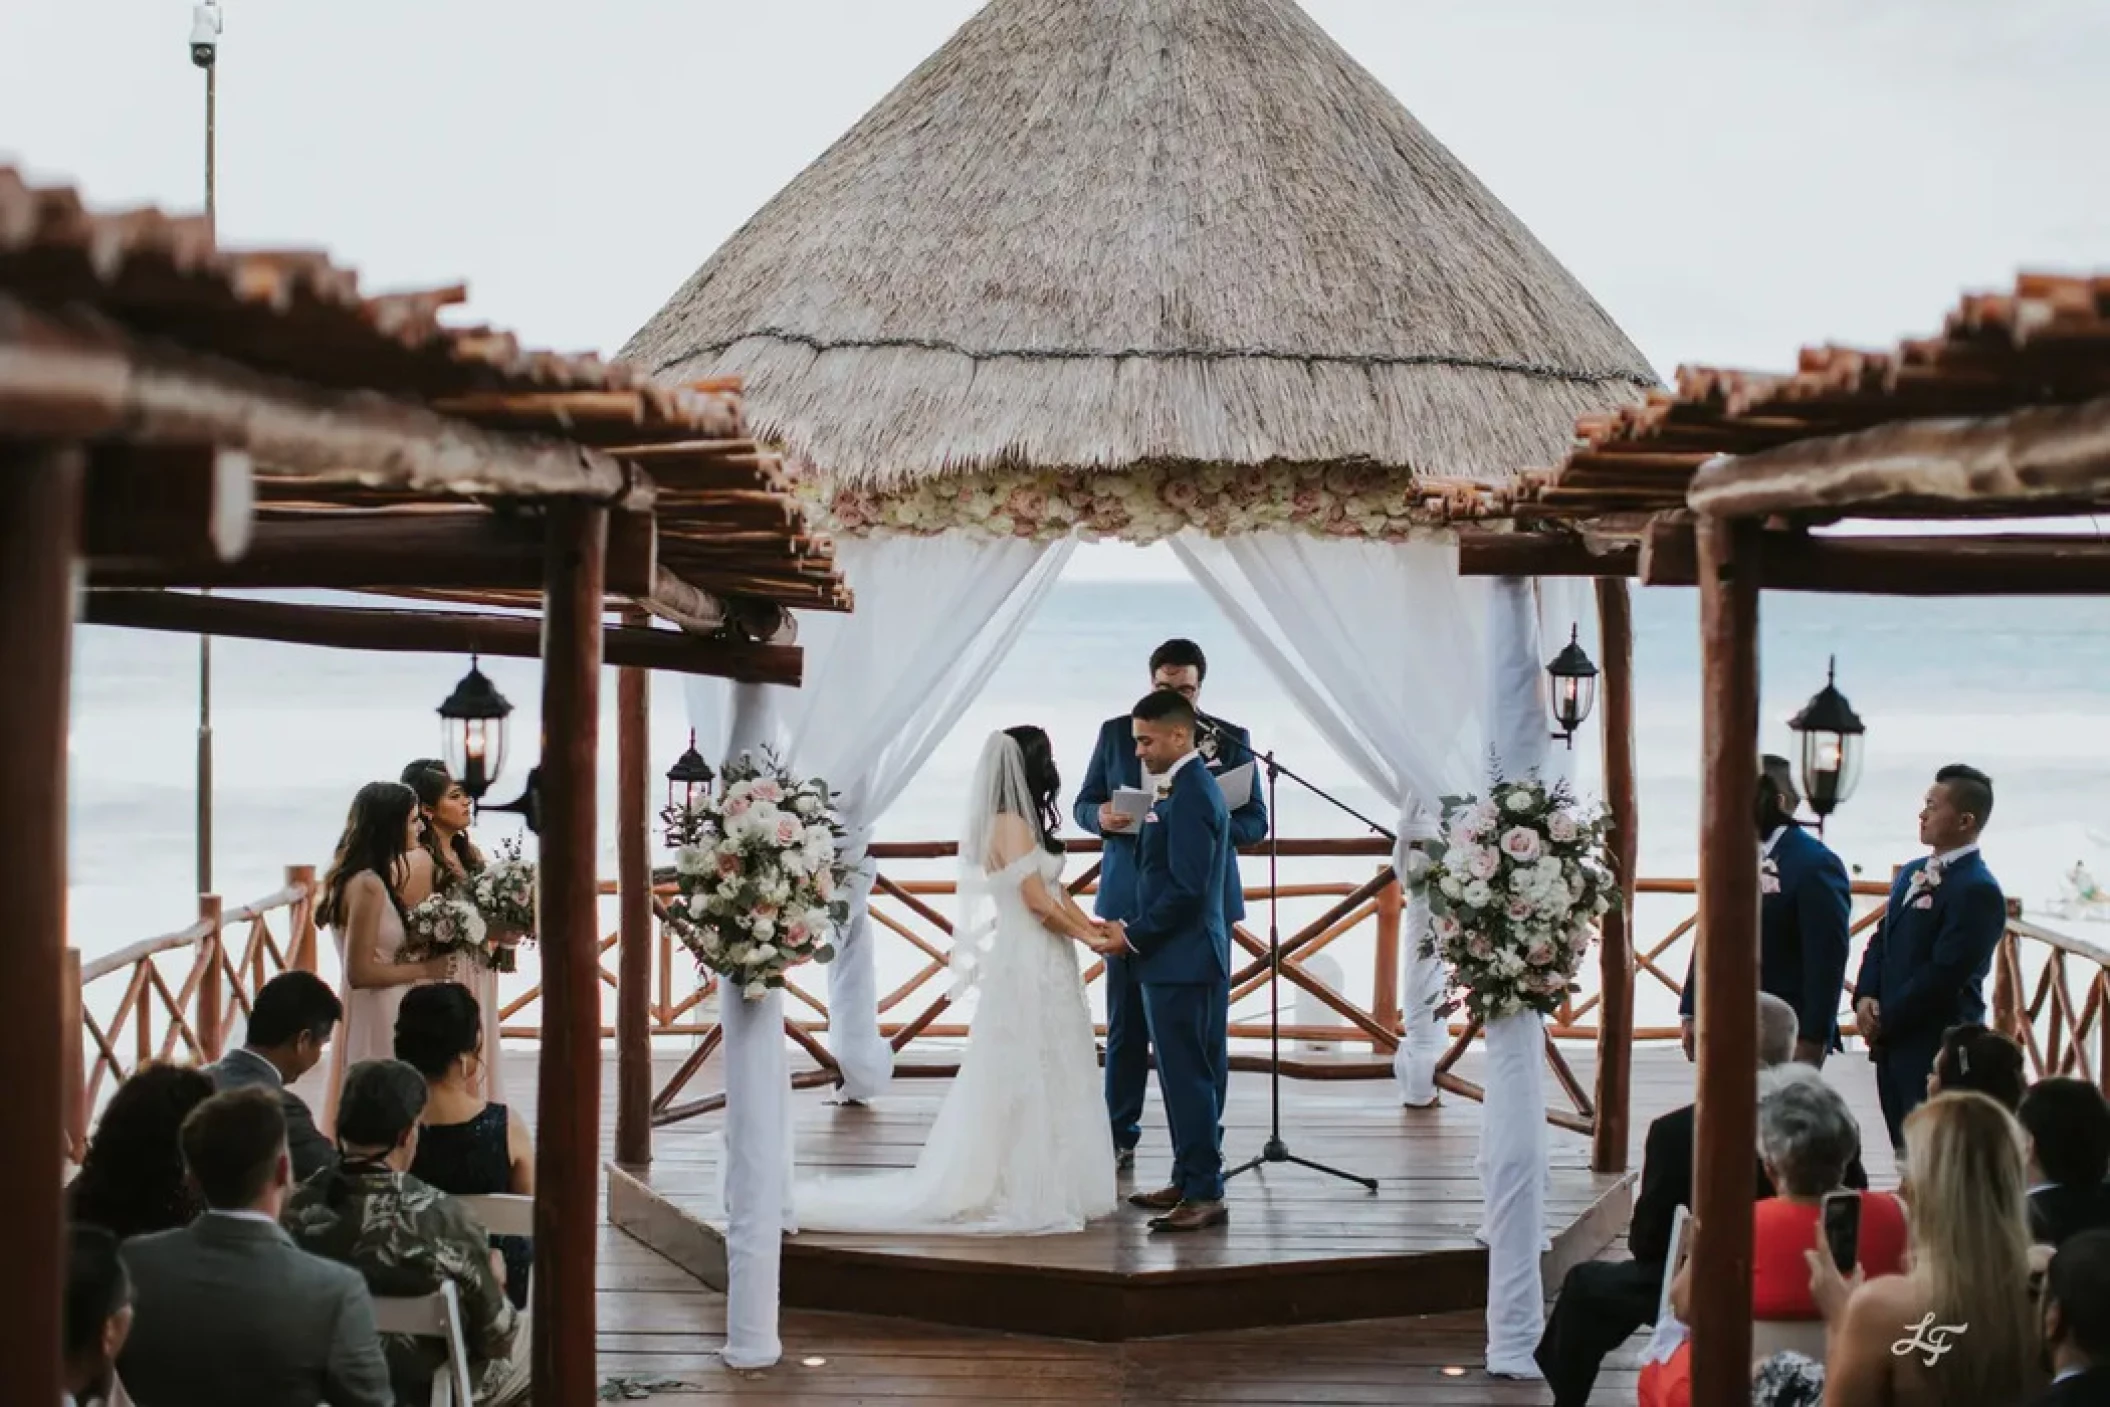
(466, 549)
(192, 502)
(2006, 565)
(65, 380)
(431, 632)
(2022, 460)
(1536, 554)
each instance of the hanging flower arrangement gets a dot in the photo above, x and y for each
(1516, 887)
(1150, 502)
(761, 876)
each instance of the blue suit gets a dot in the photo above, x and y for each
(1805, 910)
(1926, 967)
(1182, 964)
(1113, 765)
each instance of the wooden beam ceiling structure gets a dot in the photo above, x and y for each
(255, 422)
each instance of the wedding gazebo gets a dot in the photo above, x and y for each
(1149, 270)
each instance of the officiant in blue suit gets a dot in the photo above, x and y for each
(1805, 910)
(1180, 667)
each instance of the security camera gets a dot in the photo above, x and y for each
(204, 33)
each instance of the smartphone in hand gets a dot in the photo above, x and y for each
(1842, 1228)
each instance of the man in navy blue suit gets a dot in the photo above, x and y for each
(1179, 946)
(1178, 667)
(1926, 965)
(1805, 910)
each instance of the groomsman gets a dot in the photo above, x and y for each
(1179, 667)
(1805, 909)
(1926, 965)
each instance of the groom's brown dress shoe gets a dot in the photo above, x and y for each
(1162, 1200)
(1193, 1216)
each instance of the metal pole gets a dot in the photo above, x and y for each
(212, 74)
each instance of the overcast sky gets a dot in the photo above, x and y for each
(1730, 179)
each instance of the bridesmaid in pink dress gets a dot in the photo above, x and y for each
(445, 857)
(362, 903)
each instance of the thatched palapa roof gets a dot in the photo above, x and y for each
(1092, 235)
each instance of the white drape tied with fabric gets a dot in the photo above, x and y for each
(1378, 645)
(756, 1180)
(883, 686)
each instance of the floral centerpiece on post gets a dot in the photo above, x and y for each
(760, 871)
(1516, 886)
(447, 925)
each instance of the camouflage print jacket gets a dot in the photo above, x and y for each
(405, 1237)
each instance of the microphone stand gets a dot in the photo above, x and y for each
(1276, 1149)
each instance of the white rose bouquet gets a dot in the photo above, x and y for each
(1518, 882)
(761, 876)
(447, 925)
(504, 893)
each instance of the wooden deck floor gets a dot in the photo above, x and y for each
(658, 1321)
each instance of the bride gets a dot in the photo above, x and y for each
(1021, 1145)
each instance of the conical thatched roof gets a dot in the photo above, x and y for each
(1090, 234)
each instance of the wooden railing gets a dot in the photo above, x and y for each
(181, 991)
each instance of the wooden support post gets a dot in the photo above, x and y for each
(212, 987)
(300, 943)
(40, 510)
(567, 1128)
(1615, 952)
(633, 988)
(73, 1065)
(1384, 999)
(1727, 968)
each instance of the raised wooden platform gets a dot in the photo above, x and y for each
(1302, 1248)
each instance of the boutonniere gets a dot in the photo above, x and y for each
(1769, 876)
(1206, 746)
(1164, 788)
(1925, 880)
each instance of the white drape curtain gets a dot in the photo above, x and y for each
(1379, 646)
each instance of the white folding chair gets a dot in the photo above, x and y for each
(434, 1316)
(1680, 1233)
(502, 1214)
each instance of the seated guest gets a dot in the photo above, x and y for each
(406, 1237)
(1602, 1302)
(230, 1312)
(1806, 1138)
(1979, 1058)
(97, 1315)
(2077, 1322)
(1962, 1310)
(131, 1180)
(289, 1027)
(2068, 1123)
(466, 1146)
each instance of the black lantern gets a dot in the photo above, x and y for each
(1574, 681)
(1831, 746)
(473, 732)
(688, 784)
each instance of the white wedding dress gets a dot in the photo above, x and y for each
(1021, 1145)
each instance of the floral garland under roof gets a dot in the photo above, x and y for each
(1151, 502)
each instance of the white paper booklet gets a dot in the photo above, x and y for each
(1236, 784)
(1132, 802)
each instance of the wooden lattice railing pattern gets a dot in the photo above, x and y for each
(2052, 993)
(182, 991)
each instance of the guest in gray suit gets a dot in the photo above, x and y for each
(289, 1028)
(227, 1310)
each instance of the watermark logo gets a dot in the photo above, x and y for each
(1929, 1338)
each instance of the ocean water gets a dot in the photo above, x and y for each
(2021, 689)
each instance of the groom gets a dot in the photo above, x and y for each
(1176, 667)
(1179, 947)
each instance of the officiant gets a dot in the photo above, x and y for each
(1178, 666)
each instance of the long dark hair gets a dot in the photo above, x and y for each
(1043, 780)
(132, 1178)
(430, 779)
(372, 843)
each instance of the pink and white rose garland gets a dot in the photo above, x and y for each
(761, 876)
(1516, 886)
